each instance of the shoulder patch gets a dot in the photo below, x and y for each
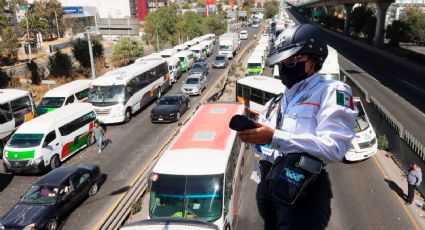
(345, 99)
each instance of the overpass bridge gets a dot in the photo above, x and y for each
(381, 8)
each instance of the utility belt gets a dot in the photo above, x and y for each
(291, 176)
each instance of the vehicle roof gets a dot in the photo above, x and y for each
(172, 60)
(198, 39)
(191, 43)
(204, 143)
(167, 52)
(183, 53)
(68, 88)
(263, 83)
(7, 95)
(206, 42)
(183, 46)
(58, 117)
(59, 175)
(197, 47)
(122, 75)
(255, 58)
(195, 75)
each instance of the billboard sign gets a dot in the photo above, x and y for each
(73, 10)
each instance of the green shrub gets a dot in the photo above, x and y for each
(136, 207)
(60, 65)
(383, 143)
(126, 51)
(35, 75)
(80, 50)
(4, 79)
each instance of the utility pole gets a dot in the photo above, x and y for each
(93, 71)
(28, 38)
(157, 39)
(57, 24)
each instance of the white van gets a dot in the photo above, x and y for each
(167, 53)
(209, 44)
(75, 91)
(16, 107)
(174, 68)
(187, 58)
(198, 40)
(200, 52)
(243, 34)
(48, 140)
(180, 47)
(190, 43)
(364, 144)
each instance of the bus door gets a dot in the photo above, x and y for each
(7, 122)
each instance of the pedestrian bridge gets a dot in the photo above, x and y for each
(381, 8)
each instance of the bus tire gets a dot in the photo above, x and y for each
(128, 115)
(54, 162)
(158, 93)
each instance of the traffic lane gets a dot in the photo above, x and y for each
(404, 81)
(133, 145)
(363, 200)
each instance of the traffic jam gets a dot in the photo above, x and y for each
(37, 138)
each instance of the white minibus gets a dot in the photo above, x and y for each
(75, 91)
(118, 94)
(209, 44)
(190, 43)
(199, 175)
(255, 91)
(174, 68)
(180, 47)
(254, 65)
(16, 107)
(364, 144)
(200, 52)
(46, 141)
(167, 53)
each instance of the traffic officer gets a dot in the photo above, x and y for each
(313, 116)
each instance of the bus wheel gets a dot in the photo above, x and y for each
(128, 116)
(158, 93)
(54, 162)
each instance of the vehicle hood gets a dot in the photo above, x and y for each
(190, 86)
(22, 215)
(165, 109)
(218, 62)
(42, 110)
(196, 71)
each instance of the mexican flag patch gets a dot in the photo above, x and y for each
(345, 99)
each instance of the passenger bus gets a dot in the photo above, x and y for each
(46, 141)
(16, 107)
(118, 94)
(75, 91)
(255, 91)
(364, 144)
(199, 175)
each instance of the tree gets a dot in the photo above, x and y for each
(9, 46)
(271, 9)
(214, 24)
(201, 3)
(125, 52)
(80, 50)
(36, 24)
(161, 24)
(192, 23)
(416, 21)
(4, 79)
(46, 9)
(398, 31)
(35, 75)
(60, 65)
(359, 17)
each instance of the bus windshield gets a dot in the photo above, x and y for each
(51, 102)
(361, 122)
(107, 94)
(191, 197)
(224, 47)
(23, 140)
(254, 65)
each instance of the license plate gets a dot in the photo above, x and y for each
(17, 163)
(160, 119)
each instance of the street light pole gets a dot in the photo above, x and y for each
(93, 72)
(57, 24)
(28, 38)
(157, 39)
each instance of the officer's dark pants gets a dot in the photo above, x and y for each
(311, 211)
(410, 192)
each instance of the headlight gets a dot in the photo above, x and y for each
(1, 227)
(30, 227)
(36, 161)
(172, 114)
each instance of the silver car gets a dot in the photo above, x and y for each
(194, 84)
(220, 61)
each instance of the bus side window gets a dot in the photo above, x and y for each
(20, 107)
(5, 113)
(69, 100)
(49, 138)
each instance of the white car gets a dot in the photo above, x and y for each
(243, 34)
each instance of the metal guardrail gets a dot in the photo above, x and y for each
(416, 145)
(119, 214)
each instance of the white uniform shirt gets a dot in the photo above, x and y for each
(318, 118)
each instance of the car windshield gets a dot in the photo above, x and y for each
(197, 66)
(362, 122)
(169, 101)
(254, 65)
(224, 47)
(40, 194)
(220, 58)
(21, 140)
(112, 93)
(191, 197)
(192, 80)
(51, 102)
(181, 59)
(195, 51)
